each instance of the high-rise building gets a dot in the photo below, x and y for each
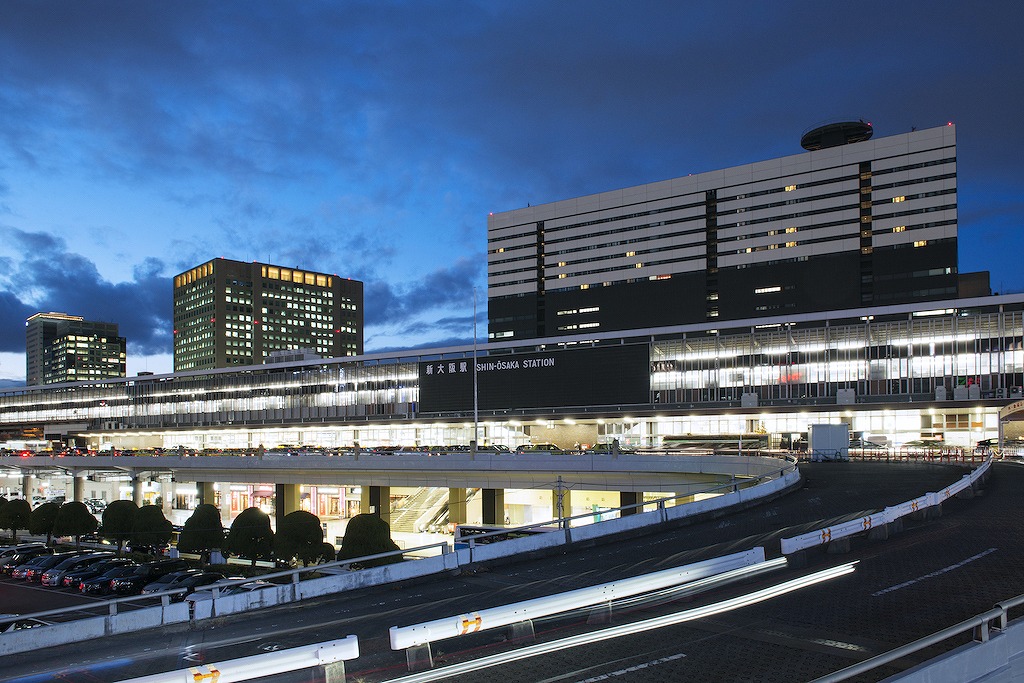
(230, 313)
(67, 348)
(854, 222)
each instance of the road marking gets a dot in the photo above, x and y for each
(935, 573)
(632, 669)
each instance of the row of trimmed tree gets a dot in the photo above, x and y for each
(300, 536)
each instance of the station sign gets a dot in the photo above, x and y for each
(562, 378)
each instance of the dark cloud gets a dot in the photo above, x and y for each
(445, 287)
(58, 280)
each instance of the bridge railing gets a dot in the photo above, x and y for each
(980, 627)
(890, 514)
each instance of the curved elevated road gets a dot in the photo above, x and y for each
(933, 574)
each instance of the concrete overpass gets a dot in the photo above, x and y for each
(630, 476)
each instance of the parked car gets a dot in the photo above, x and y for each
(53, 576)
(166, 581)
(73, 579)
(102, 584)
(195, 582)
(32, 571)
(95, 505)
(147, 573)
(539, 448)
(9, 550)
(23, 556)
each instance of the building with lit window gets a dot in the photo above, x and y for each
(851, 223)
(231, 313)
(67, 348)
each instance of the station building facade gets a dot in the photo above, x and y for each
(856, 225)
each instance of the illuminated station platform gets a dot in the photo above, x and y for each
(936, 373)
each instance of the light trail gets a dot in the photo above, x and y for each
(630, 629)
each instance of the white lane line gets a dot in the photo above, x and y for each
(935, 573)
(632, 669)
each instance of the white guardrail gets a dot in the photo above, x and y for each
(403, 637)
(258, 666)
(889, 514)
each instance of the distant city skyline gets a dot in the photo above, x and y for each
(372, 140)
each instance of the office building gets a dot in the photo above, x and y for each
(853, 223)
(231, 313)
(67, 348)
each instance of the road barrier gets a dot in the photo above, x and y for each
(258, 666)
(403, 637)
(890, 514)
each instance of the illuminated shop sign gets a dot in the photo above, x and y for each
(612, 375)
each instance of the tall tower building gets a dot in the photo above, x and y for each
(853, 222)
(67, 348)
(230, 313)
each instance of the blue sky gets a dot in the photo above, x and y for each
(371, 139)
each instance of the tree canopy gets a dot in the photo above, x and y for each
(15, 515)
(250, 535)
(119, 522)
(300, 536)
(42, 520)
(202, 532)
(368, 534)
(74, 519)
(150, 528)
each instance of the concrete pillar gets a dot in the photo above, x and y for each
(630, 498)
(137, 490)
(28, 487)
(562, 496)
(166, 494)
(494, 506)
(456, 506)
(287, 499)
(207, 494)
(78, 488)
(376, 500)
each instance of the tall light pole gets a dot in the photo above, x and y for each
(476, 406)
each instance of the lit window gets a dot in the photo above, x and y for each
(773, 246)
(899, 228)
(897, 200)
(790, 188)
(921, 243)
(790, 230)
(584, 286)
(773, 232)
(561, 264)
(790, 244)
(561, 275)
(865, 250)
(639, 265)
(630, 253)
(767, 290)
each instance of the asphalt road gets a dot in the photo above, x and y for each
(932, 575)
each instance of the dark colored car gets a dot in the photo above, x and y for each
(53, 576)
(101, 585)
(21, 557)
(145, 574)
(32, 571)
(192, 583)
(166, 581)
(73, 579)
